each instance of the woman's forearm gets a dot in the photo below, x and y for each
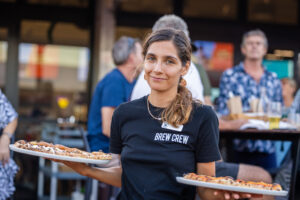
(111, 176)
(11, 127)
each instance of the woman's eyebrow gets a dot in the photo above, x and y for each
(150, 54)
(172, 57)
(165, 56)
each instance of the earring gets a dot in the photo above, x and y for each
(182, 82)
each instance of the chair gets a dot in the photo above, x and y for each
(69, 137)
(91, 190)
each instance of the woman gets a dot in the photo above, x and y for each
(165, 134)
(288, 91)
(8, 168)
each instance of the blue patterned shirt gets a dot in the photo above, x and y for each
(8, 171)
(295, 107)
(237, 81)
(7, 112)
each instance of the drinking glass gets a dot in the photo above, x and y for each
(294, 118)
(274, 114)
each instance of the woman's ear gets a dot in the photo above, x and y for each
(185, 68)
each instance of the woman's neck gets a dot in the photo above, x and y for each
(161, 99)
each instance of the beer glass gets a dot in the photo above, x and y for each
(274, 114)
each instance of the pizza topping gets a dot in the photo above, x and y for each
(231, 181)
(59, 149)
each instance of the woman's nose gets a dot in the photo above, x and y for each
(157, 67)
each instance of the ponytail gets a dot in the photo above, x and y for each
(179, 111)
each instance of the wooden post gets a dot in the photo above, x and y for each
(12, 67)
(103, 40)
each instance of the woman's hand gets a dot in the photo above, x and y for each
(4, 149)
(78, 167)
(110, 175)
(222, 194)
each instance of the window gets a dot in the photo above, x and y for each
(44, 32)
(225, 9)
(276, 11)
(49, 75)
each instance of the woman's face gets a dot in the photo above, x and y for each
(163, 67)
(287, 89)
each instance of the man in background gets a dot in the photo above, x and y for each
(115, 88)
(250, 79)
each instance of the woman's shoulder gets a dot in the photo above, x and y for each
(203, 110)
(131, 106)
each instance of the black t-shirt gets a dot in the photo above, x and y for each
(153, 156)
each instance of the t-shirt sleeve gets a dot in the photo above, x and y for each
(115, 134)
(207, 146)
(113, 94)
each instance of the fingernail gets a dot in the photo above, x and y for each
(227, 196)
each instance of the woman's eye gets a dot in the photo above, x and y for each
(150, 58)
(169, 62)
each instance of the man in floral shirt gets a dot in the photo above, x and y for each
(247, 80)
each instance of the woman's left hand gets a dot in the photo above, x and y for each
(78, 167)
(4, 149)
(227, 195)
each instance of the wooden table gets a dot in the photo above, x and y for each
(283, 135)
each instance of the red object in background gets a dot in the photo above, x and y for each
(222, 57)
(40, 69)
(45, 71)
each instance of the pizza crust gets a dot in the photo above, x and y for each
(62, 150)
(232, 182)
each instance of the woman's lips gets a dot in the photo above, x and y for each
(157, 78)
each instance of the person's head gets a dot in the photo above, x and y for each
(167, 57)
(171, 21)
(127, 50)
(288, 87)
(254, 44)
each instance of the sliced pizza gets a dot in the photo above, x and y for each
(62, 150)
(232, 182)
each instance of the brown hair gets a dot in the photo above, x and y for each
(179, 111)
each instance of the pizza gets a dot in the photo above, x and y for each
(230, 181)
(58, 149)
